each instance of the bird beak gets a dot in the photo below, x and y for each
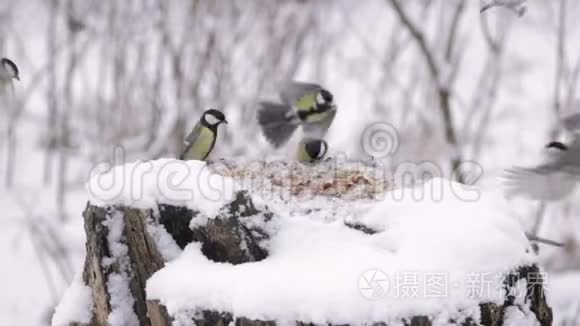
(17, 78)
(226, 122)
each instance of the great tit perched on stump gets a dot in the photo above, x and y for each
(8, 72)
(303, 104)
(201, 140)
(311, 150)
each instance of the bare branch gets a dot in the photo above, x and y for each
(418, 36)
(560, 57)
(442, 90)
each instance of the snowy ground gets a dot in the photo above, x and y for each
(37, 268)
(439, 249)
(564, 298)
(316, 263)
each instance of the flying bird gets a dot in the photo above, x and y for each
(201, 140)
(555, 178)
(302, 104)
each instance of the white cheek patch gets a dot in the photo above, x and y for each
(320, 99)
(211, 120)
(323, 150)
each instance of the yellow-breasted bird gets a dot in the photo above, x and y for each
(311, 150)
(303, 104)
(201, 140)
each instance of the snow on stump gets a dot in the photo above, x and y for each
(185, 243)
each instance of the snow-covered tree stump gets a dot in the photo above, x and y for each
(132, 259)
(175, 264)
(135, 256)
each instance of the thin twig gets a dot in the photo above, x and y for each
(442, 90)
(560, 57)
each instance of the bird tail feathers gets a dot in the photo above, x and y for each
(537, 184)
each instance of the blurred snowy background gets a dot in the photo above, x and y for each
(134, 75)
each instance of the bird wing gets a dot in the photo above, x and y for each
(190, 139)
(566, 158)
(544, 182)
(278, 122)
(572, 122)
(199, 143)
(292, 93)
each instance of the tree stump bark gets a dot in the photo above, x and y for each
(225, 238)
(143, 256)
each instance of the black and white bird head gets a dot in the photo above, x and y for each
(324, 100)
(9, 70)
(316, 149)
(213, 118)
(557, 176)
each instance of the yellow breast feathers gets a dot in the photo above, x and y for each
(202, 145)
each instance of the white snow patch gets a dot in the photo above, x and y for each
(564, 297)
(118, 250)
(165, 181)
(430, 249)
(516, 316)
(75, 305)
(520, 313)
(184, 319)
(121, 300)
(165, 243)
(424, 222)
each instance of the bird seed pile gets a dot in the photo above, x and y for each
(284, 180)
